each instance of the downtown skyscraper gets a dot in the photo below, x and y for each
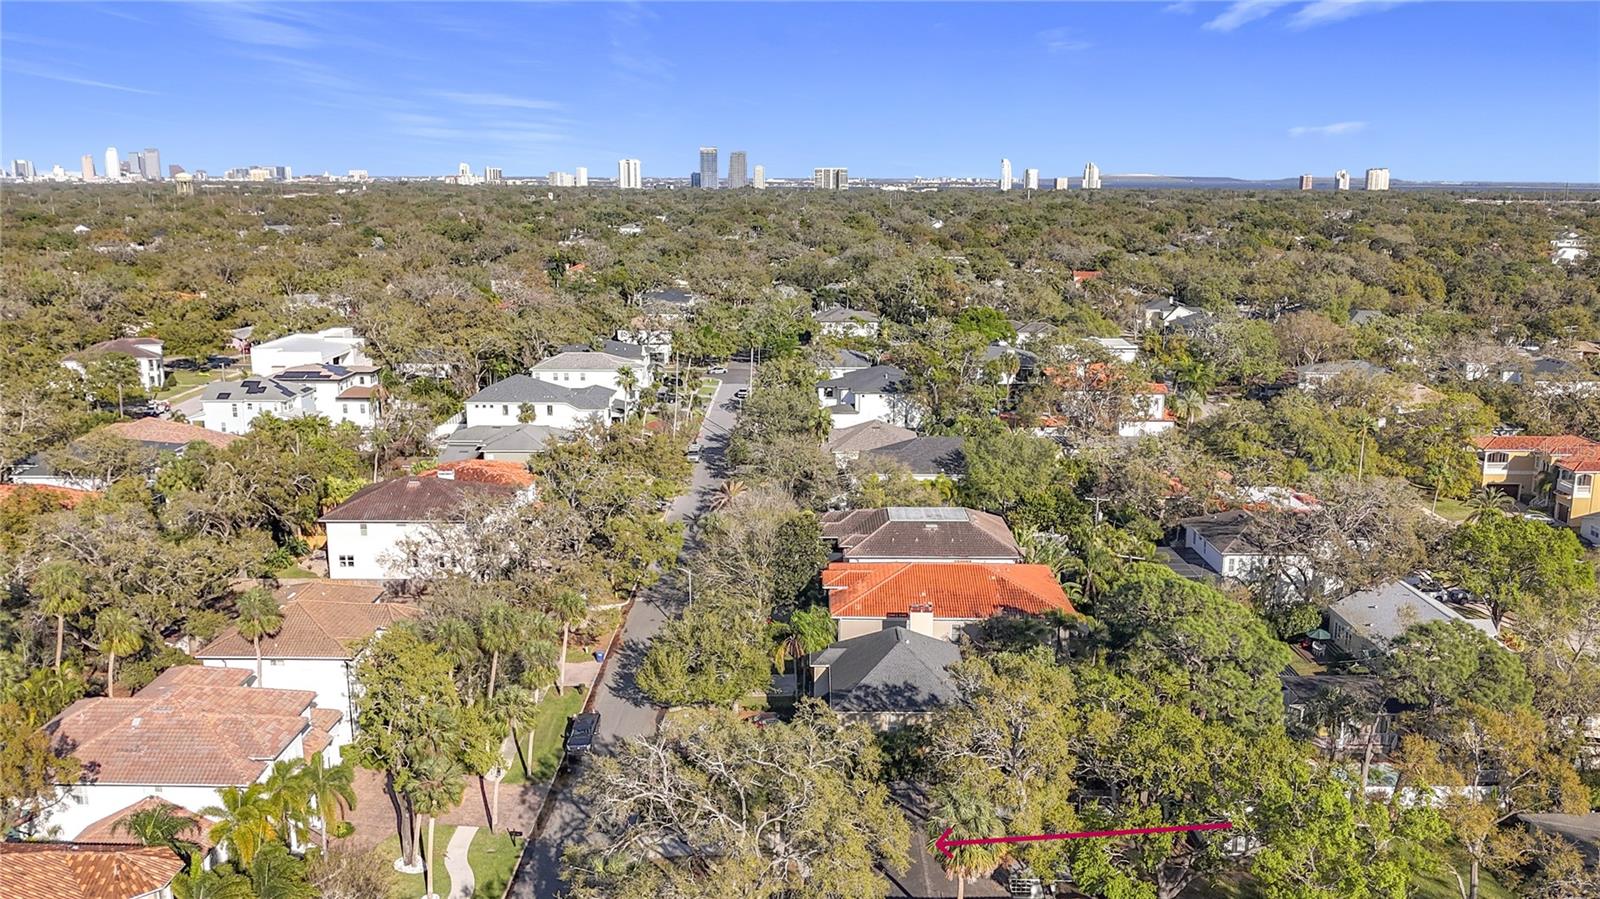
(708, 168)
(736, 170)
(1005, 174)
(1091, 176)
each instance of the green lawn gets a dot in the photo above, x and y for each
(1305, 667)
(293, 572)
(410, 886)
(580, 654)
(494, 859)
(550, 726)
(179, 382)
(1453, 509)
(1442, 885)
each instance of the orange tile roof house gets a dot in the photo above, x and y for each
(1518, 464)
(87, 871)
(920, 534)
(192, 730)
(936, 599)
(314, 647)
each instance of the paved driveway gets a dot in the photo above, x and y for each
(624, 711)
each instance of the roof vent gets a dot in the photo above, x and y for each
(135, 722)
(413, 484)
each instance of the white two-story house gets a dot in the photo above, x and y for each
(330, 346)
(876, 393)
(340, 393)
(524, 399)
(368, 533)
(837, 321)
(146, 353)
(192, 731)
(576, 369)
(232, 406)
(314, 646)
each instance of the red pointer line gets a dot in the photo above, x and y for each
(945, 843)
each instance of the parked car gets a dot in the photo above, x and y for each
(580, 735)
(741, 393)
(719, 369)
(692, 453)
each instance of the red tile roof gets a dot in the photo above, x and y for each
(313, 629)
(357, 393)
(956, 590)
(487, 471)
(1556, 444)
(85, 870)
(192, 725)
(66, 496)
(106, 830)
(159, 430)
(1583, 461)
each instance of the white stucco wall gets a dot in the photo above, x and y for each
(555, 415)
(374, 554)
(235, 416)
(943, 628)
(329, 679)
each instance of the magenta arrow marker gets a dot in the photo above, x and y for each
(945, 844)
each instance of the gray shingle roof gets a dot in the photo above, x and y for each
(1227, 531)
(412, 499)
(528, 389)
(928, 455)
(893, 670)
(250, 390)
(927, 533)
(867, 436)
(841, 315)
(876, 379)
(848, 359)
(585, 360)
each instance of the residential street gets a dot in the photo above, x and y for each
(624, 711)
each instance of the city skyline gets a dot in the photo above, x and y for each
(409, 96)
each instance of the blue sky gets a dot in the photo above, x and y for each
(1252, 89)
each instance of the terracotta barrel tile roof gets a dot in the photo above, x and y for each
(313, 629)
(84, 870)
(66, 496)
(956, 590)
(192, 725)
(487, 471)
(159, 430)
(106, 830)
(1551, 443)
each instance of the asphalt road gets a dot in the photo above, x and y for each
(624, 711)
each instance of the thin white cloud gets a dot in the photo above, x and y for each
(1182, 8)
(1309, 15)
(1324, 12)
(1243, 12)
(35, 71)
(1333, 130)
(501, 101)
(1062, 40)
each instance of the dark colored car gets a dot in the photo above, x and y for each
(580, 736)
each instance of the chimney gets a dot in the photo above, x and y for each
(921, 618)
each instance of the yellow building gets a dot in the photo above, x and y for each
(1526, 466)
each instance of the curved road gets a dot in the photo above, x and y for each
(624, 711)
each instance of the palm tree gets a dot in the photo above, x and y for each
(569, 608)
(331, 788)
(61, 589)
(517, 707)
(1488, 501)
(160, 825)
(628, 380)
(259, 616)
(275, 874)
(964, 813)
(215, 884)
(287, 801)
(1187, 405)
(435, 788)
(243, 825)
(117, 633)
(731, 490)
(502, 628)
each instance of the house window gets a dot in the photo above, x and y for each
(549, 410)
(235, 408)
(363, 408)
(505, 410)
(1585, 480)
(582, 376)
(1499, 458)
(344, 408)
(347, 561)
(363, 529)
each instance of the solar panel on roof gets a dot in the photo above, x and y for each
(926, 513)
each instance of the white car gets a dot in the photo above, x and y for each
(719, 370)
